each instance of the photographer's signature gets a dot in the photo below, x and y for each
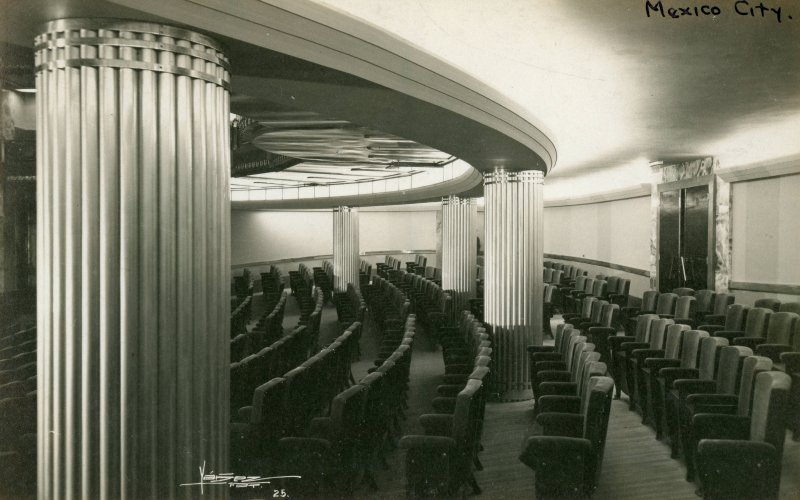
(234, 481)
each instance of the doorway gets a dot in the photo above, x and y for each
(685, 237)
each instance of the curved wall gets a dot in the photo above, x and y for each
(613, 232)
(765, 225)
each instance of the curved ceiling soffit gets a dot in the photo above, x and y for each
(323, 36)
(469, 184)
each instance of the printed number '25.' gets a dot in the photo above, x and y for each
(279, 493)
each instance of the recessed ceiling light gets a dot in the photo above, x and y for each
(26, 91)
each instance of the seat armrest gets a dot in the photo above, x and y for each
(631, 346)
(601, 331)
(437, 424)
(553, 376)
(791, 361)
(449, 390)
(458, 369)
(615, 342)
(550, 366)
(700, 401)
(559, 404)
(444, 405)
(532, 349)
(670, 375)
(245, 413)
(546, 356)
(713, 426)
(320, 428)
(561, 424)
(558, 388)
(728, 334)
(773, 351)
(686, 387)
(656, 364)
(645, 354)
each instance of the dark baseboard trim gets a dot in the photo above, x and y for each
(764, 287)
(328, 256)
(610, 265)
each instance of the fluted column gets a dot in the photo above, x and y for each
(133, 169)
(345, 248)
(513, 275)
(459, 249)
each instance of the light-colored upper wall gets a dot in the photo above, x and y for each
(263, 236)
(613, 231)
(765, 232)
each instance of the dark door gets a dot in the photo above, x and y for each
(683, 238)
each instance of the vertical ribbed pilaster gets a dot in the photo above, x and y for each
(133, 253)
(459, 250)
(513, 277)
(346, 259)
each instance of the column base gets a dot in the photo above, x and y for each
(510, 364)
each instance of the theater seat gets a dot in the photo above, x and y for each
(567, 458)
(740, 457)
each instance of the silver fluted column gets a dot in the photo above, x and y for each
(133, 255)
(513, 275)
(459, 249)
(345, 248)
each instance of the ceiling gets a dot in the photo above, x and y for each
(614, 86)
(592, 90)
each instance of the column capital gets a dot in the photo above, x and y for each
(457, 200)
(502, 176)
(139, 40)
(345, 209)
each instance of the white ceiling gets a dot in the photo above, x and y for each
(615, 88)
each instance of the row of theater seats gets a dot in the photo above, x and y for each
(364, 273)
(572, 392)
(350, 305)
(388, 304)
(420, 261)
(268, 329)
(392, 264)
(432, 305)
(323, 278)
(302, 285)
(340, 451)
(723, 394)
(442, 463)
(287, 404)
(18, 412)
(241, 310)
(272, 285)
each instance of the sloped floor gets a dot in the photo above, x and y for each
(636, 466)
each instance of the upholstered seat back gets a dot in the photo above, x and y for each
(707, 362)
(735, 316)
(704, 301)
(672, 344)
(666, 303)
(642, 331)
(756, 324)
(770, 398)
(752, 366)
(781, 327)
(684, 307)
(649, 300)
(658, 329)
(728, 371)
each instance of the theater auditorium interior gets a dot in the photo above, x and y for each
(396, 248)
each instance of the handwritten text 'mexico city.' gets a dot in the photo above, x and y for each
(742, 8)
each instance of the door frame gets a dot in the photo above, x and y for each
(711, 257)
